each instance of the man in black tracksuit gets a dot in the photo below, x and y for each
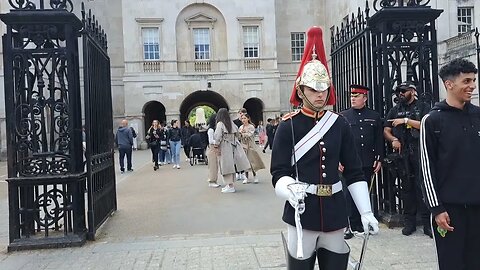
(450, 152)
(402, 130)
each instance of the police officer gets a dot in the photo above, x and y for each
(308, 146)
(367, 130)
(402, 131)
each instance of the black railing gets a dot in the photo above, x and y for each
(477, 51)
(395, 44)
(351, 56)
(378, 4)
(46, 171)
(102, 200)
(32, 5)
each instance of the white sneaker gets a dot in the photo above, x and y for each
(175, 166)
(228, 189)
(243, 176)
(213, 185)
(178, 166)
(255, 180)
(245, 181)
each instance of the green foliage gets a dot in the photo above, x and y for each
(208, 112)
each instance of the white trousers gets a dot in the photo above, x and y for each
(313, 240)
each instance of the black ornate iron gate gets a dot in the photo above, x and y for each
(395, 44)
(102, 199)
(46, 175)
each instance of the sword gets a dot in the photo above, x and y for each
(357, 265)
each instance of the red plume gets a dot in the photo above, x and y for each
(314, 40)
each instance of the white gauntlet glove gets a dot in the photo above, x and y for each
(359, 193)
(282, 191)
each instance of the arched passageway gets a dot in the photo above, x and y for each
(254, 107)
(153, 110)
(200, 98)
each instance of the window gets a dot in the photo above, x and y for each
(298, 44)
(465, 19)
(250, 41)
(151, 48)
(201, 41)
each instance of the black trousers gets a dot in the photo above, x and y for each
(269, 143)
(413, 202)
(122, 150)
(155, 150)
(186, 150)
(354, 217)
(459, 249)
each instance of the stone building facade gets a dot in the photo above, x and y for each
(167, 57)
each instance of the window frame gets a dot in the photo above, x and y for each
(297, 51)
(144, 44)
(463, 26)
(201, 20)
(149, 23)
(209, 36)
(250, 22)
(249, 48)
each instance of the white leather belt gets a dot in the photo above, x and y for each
(323, 190)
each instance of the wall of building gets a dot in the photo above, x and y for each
(132, 88)
(177, 79)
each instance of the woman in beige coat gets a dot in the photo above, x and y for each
(247, 138)
(212, 153)
(232, 157)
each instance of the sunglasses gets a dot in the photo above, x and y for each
(403, 91)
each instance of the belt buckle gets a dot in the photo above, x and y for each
(324, 190)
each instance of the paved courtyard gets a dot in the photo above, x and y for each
(170, 219)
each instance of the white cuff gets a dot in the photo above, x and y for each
(359, 193)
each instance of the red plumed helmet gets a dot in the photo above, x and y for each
(313, 71)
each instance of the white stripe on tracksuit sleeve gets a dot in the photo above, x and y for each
(427, 156)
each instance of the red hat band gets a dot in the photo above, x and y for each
(359, 91)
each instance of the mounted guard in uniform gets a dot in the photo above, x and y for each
(308, 146)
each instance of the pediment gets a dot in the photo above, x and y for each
(200, 18)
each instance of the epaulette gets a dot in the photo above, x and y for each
(290, 115)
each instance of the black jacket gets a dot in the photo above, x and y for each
(237, 122)
(186, 132)
(318, 166)
(450, 152)
(408, 136)
(154, 135)
(367, 128)
(174, 135)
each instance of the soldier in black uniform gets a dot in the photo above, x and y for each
(402, 130)
(367, 130)
(308, 146)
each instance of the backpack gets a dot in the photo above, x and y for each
(134, 134)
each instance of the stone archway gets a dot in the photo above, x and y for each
(153, 110)
(254, 107)
(199, 98)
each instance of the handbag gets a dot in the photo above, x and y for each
(163, 145)
(153, 143)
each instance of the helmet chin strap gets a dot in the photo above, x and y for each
(309, 104)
